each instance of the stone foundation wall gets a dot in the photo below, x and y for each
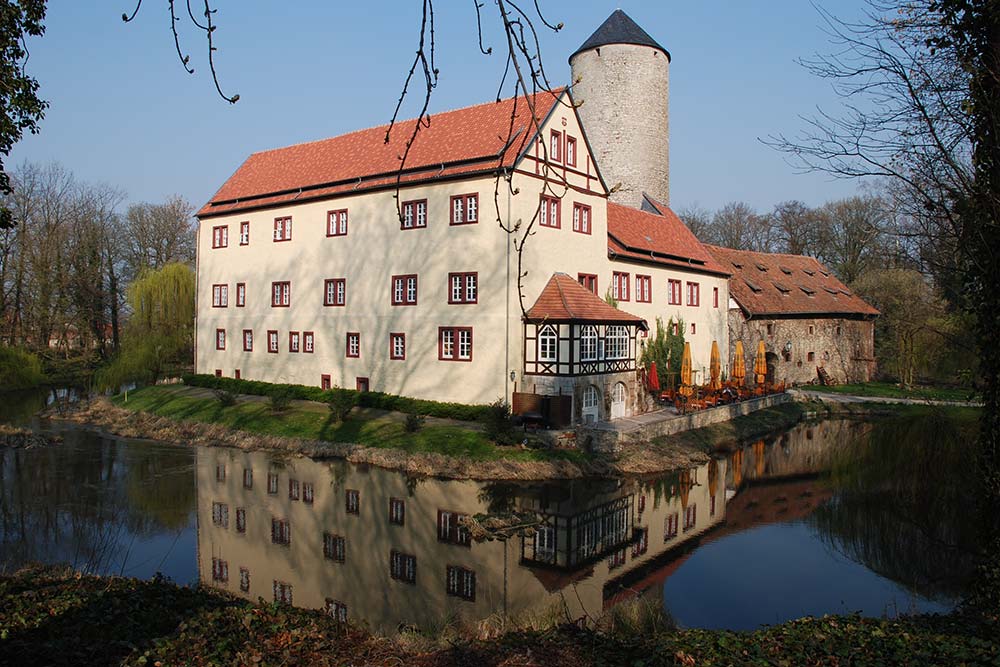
(608, 441)
(548, 385)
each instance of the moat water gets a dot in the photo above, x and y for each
(832, 517)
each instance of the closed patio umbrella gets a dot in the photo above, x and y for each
(739, 364)
(715, 368)
(653, 378)
(686, 371)
(760, 363)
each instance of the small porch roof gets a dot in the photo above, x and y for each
(564, 300)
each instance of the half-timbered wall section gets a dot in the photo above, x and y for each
(575, 349)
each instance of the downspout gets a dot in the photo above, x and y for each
(506, 364)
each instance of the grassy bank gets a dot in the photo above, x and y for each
(889, 390)
(310, 420)
(51, 617)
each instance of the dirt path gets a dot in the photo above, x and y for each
(830, 397)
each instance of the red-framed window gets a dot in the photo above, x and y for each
(352, 501)
(308, 342)
(694, 294)
(397, 511)
(272, 341)
(335, 292)
(414, 214)
(555, 146)
(245, 580)
(465, 209)
(588, 280)
(283, 229)
(673, 292)
(581, 218)
(220, 296)
(353, 346)
(643, 289)
(715, 297)
(294, 338)
(324, 382)
(248, 340)
(403, 290)
(570, 151)
(281, 294)
(220, 236)
(281, 531)
(548, 212)
(248, 478)
(620, 285)
(397, 346)
(361, 384)
(218, 372)
(455, 343)
(336, 609)
(336, 223)
(220, 339)
(241, 295)
(670, 526)
(293, 489)
(460, 582)
(245, 232)
(694, 328)
(451, 529)
(282, 592)
(463, 287)
(334, 547)
(403, 567)
(236, 374)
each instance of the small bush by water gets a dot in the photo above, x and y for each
(19, 369)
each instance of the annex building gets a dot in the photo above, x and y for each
(326, 264)
(810, 322)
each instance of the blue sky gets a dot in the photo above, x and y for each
(124, 112)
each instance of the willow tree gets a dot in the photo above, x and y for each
(159, 335)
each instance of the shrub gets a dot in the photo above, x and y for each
(369, 399)
(281, 397)
(19, 369)
(499, 425)
(225, 397)
(413, 422)
(341, 402)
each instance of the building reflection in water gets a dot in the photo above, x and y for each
(376, 547)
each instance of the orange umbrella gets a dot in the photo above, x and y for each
(653, 379)
(760, 363)
(739, 364)
(686, 371)
(715, 368)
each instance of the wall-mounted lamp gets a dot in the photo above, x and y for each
(513, 374)
(788, 346)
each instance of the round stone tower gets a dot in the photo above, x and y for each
(621, 81)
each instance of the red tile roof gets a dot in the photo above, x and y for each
(780, 285)
(663, 239)
(565, 300)
(463, 141)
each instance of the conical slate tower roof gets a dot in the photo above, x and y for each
(619, 28)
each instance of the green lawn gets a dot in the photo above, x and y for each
(888, 390)
(310, 420)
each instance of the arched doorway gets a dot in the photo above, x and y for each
(772, 365)
(618, 401)
(591, 410)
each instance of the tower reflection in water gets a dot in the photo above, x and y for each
(376, 547)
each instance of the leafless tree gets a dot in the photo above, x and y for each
(737, 225)
(157, 234)
(699, 221)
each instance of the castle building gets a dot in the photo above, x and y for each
(329, 263)
(811, 323)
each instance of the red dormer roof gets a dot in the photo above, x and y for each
(453, 143)
(661, 239)
(779, 285)
(565, 300)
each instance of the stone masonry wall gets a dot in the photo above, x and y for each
(547, 385)
(623, 92)
(844, 347)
